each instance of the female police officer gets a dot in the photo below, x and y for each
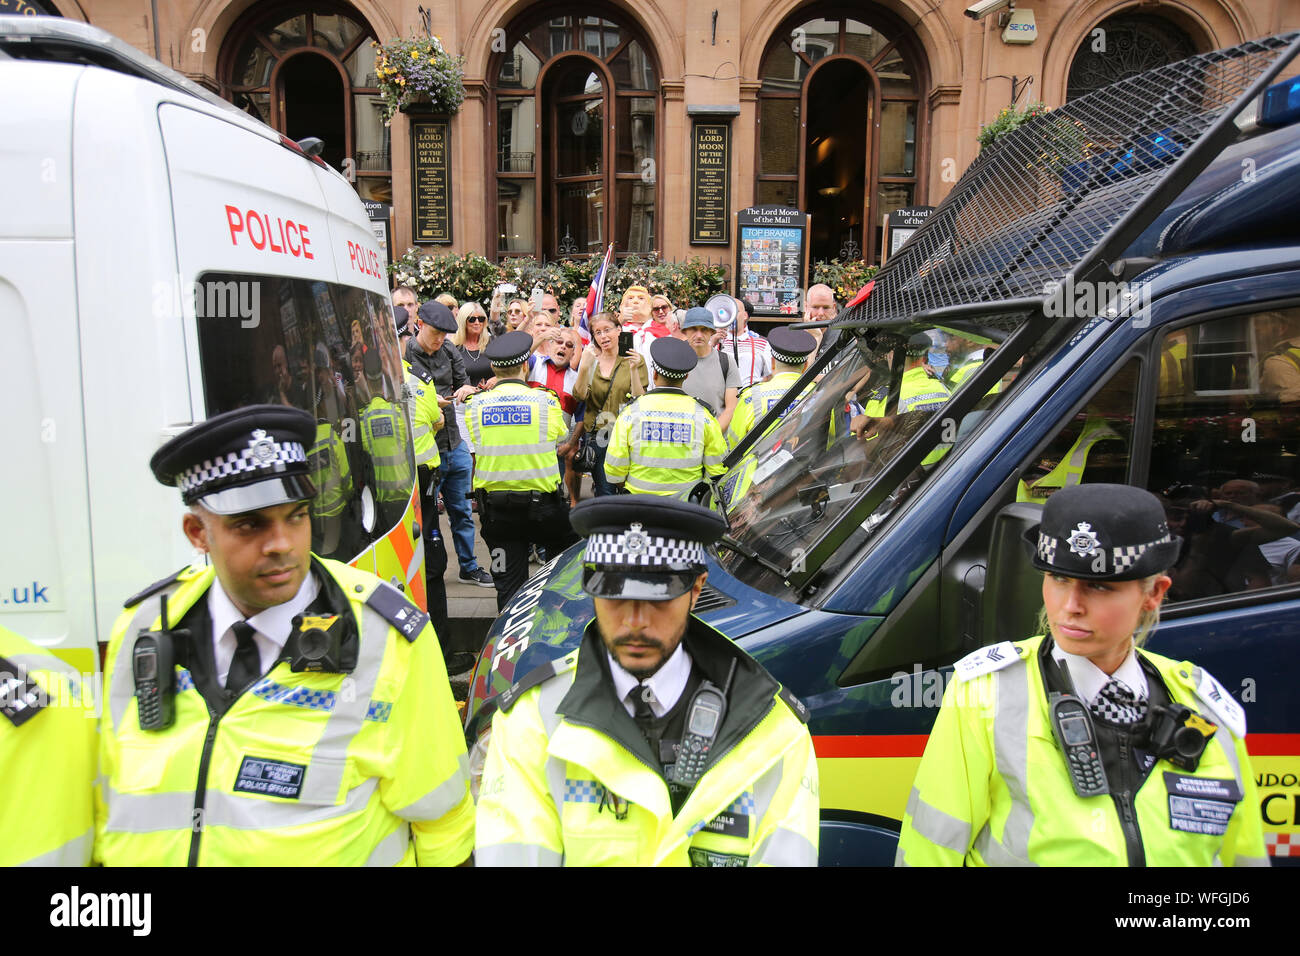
(1076, 748)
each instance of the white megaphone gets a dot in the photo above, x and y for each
(724, 309)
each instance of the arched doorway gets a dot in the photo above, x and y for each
(309, 70)
(839, 118)
(576, 106)
(311, 90)
(1125, 45)
(839, 97)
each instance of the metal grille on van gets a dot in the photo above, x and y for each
(1049, 196)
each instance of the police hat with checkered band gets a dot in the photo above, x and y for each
(791, 346)
(643, 547)
(509, 350)
(242, 460)
(1102, 533)
(672, 358)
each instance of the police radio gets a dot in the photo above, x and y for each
(1072, 725)
(153, 662)
(703, 720)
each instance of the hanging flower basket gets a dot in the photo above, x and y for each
(419, 73)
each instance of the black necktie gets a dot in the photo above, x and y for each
(639, 697)
(1116, 703)
(247, 664)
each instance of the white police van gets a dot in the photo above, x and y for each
(163, 257)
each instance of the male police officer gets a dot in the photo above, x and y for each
(47, 750)
(790, 351)
(658, 742)
(666, 441)
(273, 708)
(516, 476)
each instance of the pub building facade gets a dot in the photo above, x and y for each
(650, 123)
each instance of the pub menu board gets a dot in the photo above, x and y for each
(431, 180)
(772, 258)
(901, 224)
(710, 183)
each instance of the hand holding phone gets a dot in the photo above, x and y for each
(624, 343)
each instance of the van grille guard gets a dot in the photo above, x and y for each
(1060, 198)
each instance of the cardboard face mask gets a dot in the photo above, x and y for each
(634, 306)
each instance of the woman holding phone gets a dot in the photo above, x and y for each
(607, 380)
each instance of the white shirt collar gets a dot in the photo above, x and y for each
(667, 683)
(1089, 679)
(273, 625)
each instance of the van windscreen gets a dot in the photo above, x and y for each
(330, 350)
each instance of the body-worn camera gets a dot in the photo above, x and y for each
(1176, 733)
(320, 643)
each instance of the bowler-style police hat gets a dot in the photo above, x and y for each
(509, 350)
(672, 358)
(791, 346)
(1102, 533)
(438, 315)
(918, 344)
(643, 547)
(242, 460)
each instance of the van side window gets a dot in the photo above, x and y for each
(1224, 448)
(1092, 445)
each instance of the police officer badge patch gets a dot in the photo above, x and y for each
(261, 447)
(636, 540)
(1083, 540)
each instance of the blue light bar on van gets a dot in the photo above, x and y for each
(1281, 104)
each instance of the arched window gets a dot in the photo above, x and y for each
(310, 71)
(1122, 46)
(839, 115)
(576, 110)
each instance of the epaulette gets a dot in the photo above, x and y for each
(986, 660)
(422, 373)
(388, 603)
(154, 588)
(21, 698)
(538, 675)
(1216, 699)
(795, 704)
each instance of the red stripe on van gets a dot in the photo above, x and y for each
(871, 745)
(1273, 745)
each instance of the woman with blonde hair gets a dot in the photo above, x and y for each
(1077, 747)
(470, 339)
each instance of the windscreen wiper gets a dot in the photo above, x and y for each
(745, 551)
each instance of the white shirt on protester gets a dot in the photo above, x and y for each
(752, 356)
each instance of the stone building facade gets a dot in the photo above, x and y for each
(577, 124)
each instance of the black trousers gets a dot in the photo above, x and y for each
(511, 521)
(435, 556)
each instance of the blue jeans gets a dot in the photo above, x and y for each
(456, 474)
(598, 483)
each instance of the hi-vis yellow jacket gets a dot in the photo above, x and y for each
(426, 417)
(568, 779)
(515, 430)
(757, 400)
(47, 752)
(367, 767)
(664, 443)
(993, 789)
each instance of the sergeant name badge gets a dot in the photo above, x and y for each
(1200, 804)
(271, 777)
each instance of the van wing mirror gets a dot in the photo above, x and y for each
(1013, 590)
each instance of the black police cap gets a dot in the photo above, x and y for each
(791, 346)
(438, 315)
(509, 350)
(643, 547)
(400, 318)
(672, 358)
(1102, 532)
(241, 460)
(919, 344)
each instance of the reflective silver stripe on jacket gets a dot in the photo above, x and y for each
(76, 852)
(785, 848)
(1011, 748)
(483, 475)
(391, 850)
(442, 799)
(155, 812)
(516, 854)
(941, 829)
(122, 691)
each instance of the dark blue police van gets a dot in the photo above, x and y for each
(1118, 283)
